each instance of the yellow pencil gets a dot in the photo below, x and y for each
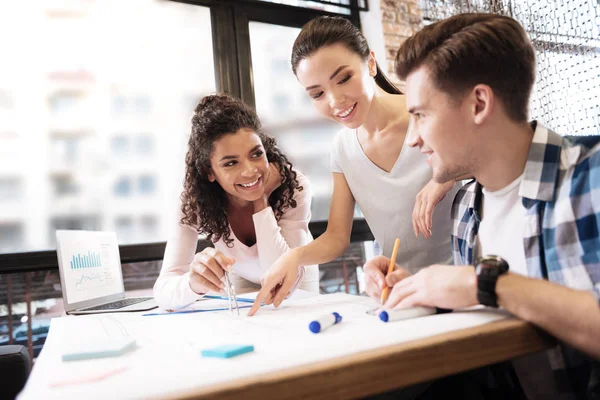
(386, 289)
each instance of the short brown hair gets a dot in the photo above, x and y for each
(470, 49)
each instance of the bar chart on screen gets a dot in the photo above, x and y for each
(88, 260)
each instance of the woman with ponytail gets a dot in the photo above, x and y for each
(371, 163)
(241, 192)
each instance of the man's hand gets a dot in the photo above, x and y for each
(375, 278)
(443, 286)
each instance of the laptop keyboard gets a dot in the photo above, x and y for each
(119, 304)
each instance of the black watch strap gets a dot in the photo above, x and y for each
(488, 269)
(486, 290)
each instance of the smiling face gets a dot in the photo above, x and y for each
(239, 164)
(441, 127)
(340, 83)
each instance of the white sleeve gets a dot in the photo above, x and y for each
(335, 150)
(172, 288)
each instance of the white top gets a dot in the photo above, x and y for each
(387, 200)
(500, 233)
(273, 238)
(501, 226)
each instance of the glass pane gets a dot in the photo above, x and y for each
(287, 113)
(95, 115)
(344, 9)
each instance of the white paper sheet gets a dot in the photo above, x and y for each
(168, 356)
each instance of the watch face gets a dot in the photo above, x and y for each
(491, 262)
(486, 270)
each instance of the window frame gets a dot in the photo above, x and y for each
(233, 74)
(230, 23)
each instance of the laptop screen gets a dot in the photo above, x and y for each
(90, 264)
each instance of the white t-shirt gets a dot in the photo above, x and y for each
(273, 238)
(387, 200)
(501, 233)
(502, 225)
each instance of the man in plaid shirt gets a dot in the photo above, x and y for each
(534, 202)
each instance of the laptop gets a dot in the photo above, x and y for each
(90, 274)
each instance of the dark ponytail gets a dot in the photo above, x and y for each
(327, 31)
(383, 82)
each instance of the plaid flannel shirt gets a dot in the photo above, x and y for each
(561, 194)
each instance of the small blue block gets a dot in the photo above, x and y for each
(98, 349)
(227, 351)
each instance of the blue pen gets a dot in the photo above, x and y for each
(189, 311)
(241, 300)
(412, 312)
(325, 322)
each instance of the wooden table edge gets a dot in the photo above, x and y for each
(386, 368)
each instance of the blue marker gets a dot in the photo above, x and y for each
(325, 322)
(406, 313)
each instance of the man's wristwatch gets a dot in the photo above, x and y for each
(488, 269)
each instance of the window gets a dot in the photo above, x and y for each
(122, 187)
(121, 129)
(343, 8)
(132, 105)
(146, 185)
(119, 146)
(148, 226)
(80, 222)
(129, 146)
(10, 190)
(65, 149)
(11, 235)
(118, 85)
(65, 102)
(118, 104)
(124, 227)
(84, 222)
(142, 105)
(65, 186)
(144, 145)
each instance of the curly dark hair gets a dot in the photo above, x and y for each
(204, 203)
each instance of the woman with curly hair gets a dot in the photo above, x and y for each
(241, 192)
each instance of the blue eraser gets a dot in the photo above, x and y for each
(86, 350)
(384, 316)
(227, 351)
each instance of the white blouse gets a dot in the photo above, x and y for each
(273, 238)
